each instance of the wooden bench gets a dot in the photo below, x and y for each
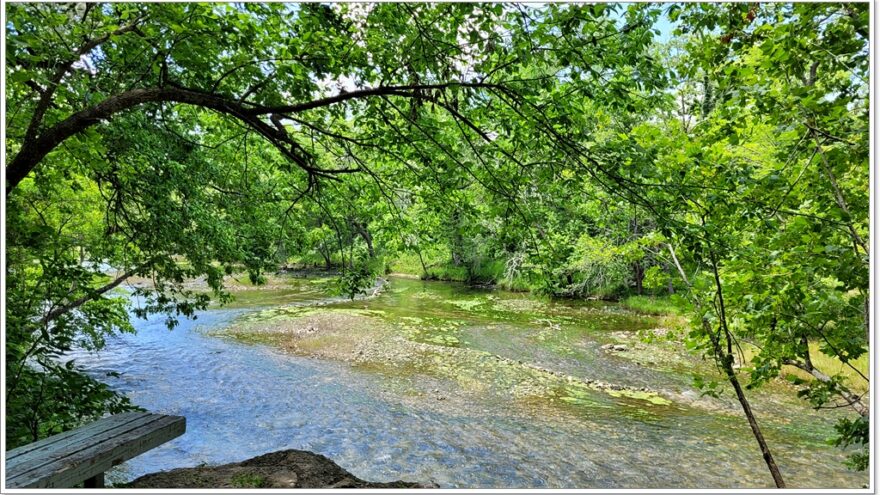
(83, 454)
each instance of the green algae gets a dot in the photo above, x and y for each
(580, 395)
(431, 331)
(467, 304)
(477, 370)
(251, 338)
(292, 312)
(651, 397)
(423, 294)
(497, 369)
(519, 305)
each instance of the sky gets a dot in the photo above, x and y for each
(665, 26)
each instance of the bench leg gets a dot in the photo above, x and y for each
(96, 481)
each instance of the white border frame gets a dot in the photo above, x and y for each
(872, 362)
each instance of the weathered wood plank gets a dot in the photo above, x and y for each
(97, 458)
(94, 428)
(85, 438)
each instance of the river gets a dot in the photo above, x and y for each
(477, 426)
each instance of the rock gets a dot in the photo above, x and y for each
(282, 469)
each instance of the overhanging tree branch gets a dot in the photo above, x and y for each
(362, 93)
(62, 310)
(36, 148)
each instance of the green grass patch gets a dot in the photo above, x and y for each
(651, 305)
(830, 365)
(406, 264)
(834, 366)
(249, 480)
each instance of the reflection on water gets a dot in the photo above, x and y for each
(244, 400)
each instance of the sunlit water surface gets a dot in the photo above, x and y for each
(244, 400)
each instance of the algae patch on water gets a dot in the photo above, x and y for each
(435, 331)
(651, 397)
(518, 305)
(578, 395)
(433, 347)
(282, 313)
(467, 304)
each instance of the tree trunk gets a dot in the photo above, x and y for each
(366, 236)
(855, 401)
(328, 264)
(62, 310)
(726, 361)
(638, 275)
(422, 261)
(726, 357)
(457, 242)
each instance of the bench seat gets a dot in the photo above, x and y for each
(85, 453)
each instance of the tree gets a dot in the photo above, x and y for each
(777, 240)
(197, 128)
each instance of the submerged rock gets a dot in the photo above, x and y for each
(282, 469)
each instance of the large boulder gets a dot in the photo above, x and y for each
(282, 469)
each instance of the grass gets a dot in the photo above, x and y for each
(829, 365)
(833, 366)
(407, 264)
(651, 305)
(248, 480)
(440, 268)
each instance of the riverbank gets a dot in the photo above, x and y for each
(283, 469)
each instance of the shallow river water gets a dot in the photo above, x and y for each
(241, 400)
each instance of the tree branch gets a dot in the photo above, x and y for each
(62, 310)
(362, 93)
(46, 96)
(36, 148)
(854, 400)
